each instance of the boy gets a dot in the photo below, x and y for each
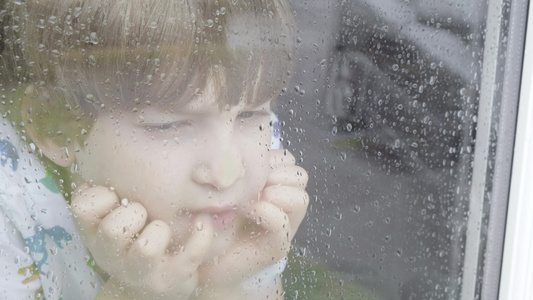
(161, 112)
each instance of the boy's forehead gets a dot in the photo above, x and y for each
(203, 103)
(207, 101)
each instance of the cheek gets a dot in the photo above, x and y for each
(257, 158)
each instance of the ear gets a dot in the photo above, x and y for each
(52, 147)
(59, 154)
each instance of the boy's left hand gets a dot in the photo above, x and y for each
(285, 188)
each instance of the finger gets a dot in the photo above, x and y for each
(152, 242)
(290, 199)
(181, 271)
(90, 204)
(293, 201)
(281, 157)
(288, 175)
(269, 217)
(119, 226)
(198, 243)
(252, 254)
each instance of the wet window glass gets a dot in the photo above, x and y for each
(256, 149)
(401, 112)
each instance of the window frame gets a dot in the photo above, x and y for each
(517, 267)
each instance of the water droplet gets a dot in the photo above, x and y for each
(349, 127)
(93, 39)
(153, 25)
(149, 79)
(343, 156)
(65, 152)
(199, 226)
(210, 23)
(77, 12)
(31, 148)
(52, 19)
(329, 231)
(91, 60)
(124, 202)
(395, 67)
(142, 242)
(41, 24)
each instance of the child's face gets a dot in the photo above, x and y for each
(180, 164)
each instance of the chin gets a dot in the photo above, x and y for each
(224, 240)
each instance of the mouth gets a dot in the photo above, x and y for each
(222, 217)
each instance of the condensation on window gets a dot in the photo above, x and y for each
(389, 107)
(393, 110)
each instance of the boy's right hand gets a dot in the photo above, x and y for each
(134, 253)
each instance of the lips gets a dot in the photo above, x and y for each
(221, 217)
(224, 219)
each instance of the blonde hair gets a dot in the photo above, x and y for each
(80, 55)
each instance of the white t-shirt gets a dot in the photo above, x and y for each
(41, 254)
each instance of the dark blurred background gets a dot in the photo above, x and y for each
(381, 113)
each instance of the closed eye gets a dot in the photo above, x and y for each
(167, 127)
(253, 114)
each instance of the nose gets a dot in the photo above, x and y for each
(222, 164)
